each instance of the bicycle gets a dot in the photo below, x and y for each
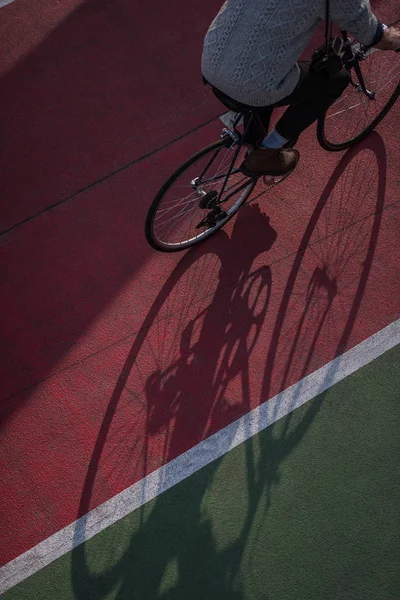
(216, 188)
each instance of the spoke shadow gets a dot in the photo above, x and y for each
(199, 337)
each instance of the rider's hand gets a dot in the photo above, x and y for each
(390, 39)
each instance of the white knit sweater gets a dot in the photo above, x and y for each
(251, 48)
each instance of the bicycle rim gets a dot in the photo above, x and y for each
(354, 115)
(174, 221)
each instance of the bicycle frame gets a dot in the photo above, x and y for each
(238, 140)
(351, 59)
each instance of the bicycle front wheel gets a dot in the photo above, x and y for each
(355, 114)
(185, 211)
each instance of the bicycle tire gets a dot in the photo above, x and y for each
(153, 238)
(324, 136)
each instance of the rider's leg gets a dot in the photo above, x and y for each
(259, 126)
(313, 95)
(311, 98)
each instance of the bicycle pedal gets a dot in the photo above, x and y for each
(269, 179)
(221, 215)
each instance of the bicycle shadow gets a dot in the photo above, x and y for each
(220, 308)
(199, 290)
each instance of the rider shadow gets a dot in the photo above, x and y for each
(201, 333)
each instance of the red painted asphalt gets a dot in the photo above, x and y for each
(115, 358)
(97, 85)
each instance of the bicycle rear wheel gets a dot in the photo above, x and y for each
(354, 115)
(176, 219)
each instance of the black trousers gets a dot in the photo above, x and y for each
(313, 95)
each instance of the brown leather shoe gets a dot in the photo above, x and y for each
(268, 161)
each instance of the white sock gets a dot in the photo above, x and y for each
(273, 140)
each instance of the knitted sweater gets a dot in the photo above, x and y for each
(251, 48)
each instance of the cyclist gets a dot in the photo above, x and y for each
(250, 53)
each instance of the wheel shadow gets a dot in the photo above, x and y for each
(177, 384)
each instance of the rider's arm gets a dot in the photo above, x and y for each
(356, 17)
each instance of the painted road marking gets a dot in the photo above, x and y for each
(198, 457)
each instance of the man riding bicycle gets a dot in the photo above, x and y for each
(250, 54)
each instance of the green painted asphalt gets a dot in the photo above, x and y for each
(307, 510)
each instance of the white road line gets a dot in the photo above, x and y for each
(197, 457)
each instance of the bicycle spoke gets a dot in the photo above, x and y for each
(355, 112)
(175, 221)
